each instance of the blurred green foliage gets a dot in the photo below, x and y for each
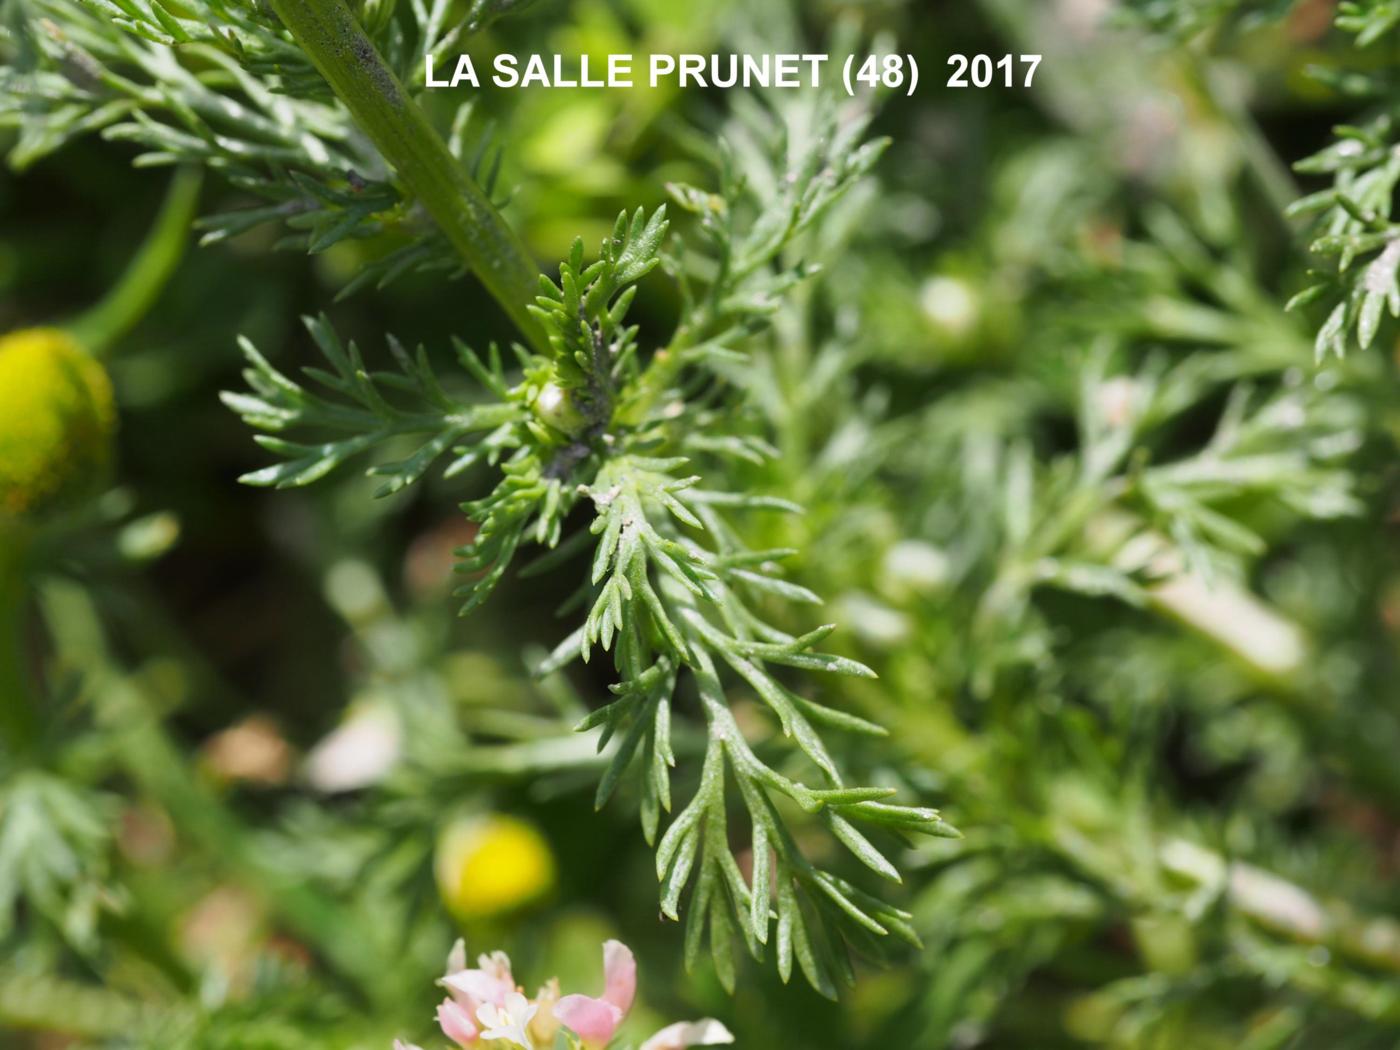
(1076, 485)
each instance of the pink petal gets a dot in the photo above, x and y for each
(456, 1023)
(619, 975)
(472, 988)
(592, 1020)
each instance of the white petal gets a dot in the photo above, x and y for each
(489, 1014)
(707, 1032)
(476, 986)
(359, 752)
(497, 964)
(457, 957)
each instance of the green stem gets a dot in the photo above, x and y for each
(155, 763)
(146, 276)
(1269, 170)
(331, 37)
(17, 726)
(130, 721)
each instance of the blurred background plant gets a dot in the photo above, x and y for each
(1111, 524)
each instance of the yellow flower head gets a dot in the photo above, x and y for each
(57, 418)
(487, 866)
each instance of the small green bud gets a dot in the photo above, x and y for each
(57, 419)
(555, 406)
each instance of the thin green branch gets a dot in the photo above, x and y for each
(332, 38)
(146, 276)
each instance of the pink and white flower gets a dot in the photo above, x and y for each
(489, 982)
(484, 1005)
(596, 1020)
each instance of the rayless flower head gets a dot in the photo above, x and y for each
(491, 865)
(57, 419)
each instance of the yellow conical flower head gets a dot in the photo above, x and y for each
(491, 865)
(57, 418)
